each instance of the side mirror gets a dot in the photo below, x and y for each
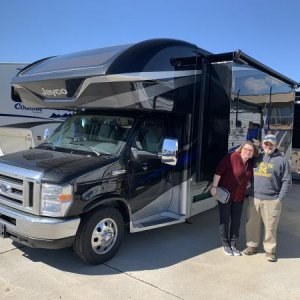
(169, 151)
(47, 133)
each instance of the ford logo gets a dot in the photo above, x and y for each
(5, 188)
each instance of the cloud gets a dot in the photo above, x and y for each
(257, 85)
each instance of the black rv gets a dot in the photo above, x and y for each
(151, 121)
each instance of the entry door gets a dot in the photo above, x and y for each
(147, 174)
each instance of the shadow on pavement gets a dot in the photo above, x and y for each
(158, 248)
(170, 245)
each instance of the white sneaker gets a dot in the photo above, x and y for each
(227, 250)
(235, 251)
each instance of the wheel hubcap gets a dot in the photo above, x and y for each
(104, 236)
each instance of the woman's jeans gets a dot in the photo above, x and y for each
(230, 219)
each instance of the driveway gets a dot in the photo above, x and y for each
(183, 261)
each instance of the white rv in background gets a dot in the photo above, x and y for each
(21, 127)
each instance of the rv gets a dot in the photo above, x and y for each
(150, 123)
(22, 127)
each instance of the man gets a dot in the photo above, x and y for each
(272, 179)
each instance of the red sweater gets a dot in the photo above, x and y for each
(234, 176)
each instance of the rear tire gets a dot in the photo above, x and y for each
(99, 235)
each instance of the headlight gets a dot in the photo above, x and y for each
(56, 199)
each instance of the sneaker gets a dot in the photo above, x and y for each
(271, 257)
(250, 251)
(227, 250)
(235, 251)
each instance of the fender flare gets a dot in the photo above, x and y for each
(116, 202)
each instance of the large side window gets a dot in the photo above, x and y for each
(260, 104)
(151, 135)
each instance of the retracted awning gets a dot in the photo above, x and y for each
(240, 56)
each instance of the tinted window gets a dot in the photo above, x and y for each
(151, 136)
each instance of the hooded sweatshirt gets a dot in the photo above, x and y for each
(272, 176)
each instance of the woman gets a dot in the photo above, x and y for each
(233, 173)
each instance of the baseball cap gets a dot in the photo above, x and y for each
(270, 138)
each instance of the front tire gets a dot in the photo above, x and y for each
(99, 235)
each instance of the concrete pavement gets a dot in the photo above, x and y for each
(183, 261)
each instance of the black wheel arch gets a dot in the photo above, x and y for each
(118, 203)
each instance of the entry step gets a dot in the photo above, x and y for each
(158, 220)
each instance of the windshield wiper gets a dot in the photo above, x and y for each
(88, 147)
(92, 149)
(50, 144)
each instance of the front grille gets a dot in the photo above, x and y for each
(19, 188)
(11, 189)
(7, 198)
(10, 179)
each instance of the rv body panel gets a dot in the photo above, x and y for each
(140, 76)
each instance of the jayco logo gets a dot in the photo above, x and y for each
(54, 93)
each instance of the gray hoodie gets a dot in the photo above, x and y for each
(272, 176)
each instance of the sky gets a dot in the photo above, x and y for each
(267, 30)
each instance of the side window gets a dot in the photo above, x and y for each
(151, 136)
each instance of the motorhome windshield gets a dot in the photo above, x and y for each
(95, 134)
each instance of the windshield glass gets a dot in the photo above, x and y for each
(98, 134)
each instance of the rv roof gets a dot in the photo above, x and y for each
(102, 61)
(83, 59)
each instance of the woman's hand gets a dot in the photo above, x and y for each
(213, 191)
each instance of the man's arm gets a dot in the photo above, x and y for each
(286, 179)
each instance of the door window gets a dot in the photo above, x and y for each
(151, 136)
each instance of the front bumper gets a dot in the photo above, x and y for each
(37, 231)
